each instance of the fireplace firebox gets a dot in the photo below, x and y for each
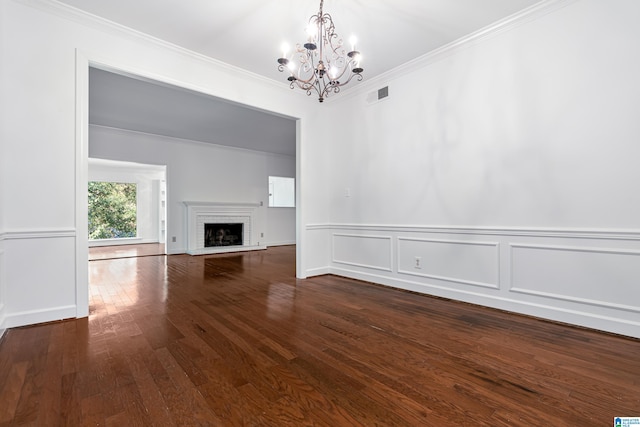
(222, 216)
(223, 234)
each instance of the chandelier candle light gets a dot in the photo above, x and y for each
(323, 65)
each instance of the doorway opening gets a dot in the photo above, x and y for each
(118, 219)
(84, 64)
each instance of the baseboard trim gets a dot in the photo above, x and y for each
(32, 317)
(543, 311)
(121, 242)
(318, 271)
(285, 243)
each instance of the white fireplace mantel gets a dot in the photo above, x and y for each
(199, 213)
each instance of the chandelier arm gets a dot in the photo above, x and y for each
(358, 77)
(339, 76)
(308, 80)
(308, 87)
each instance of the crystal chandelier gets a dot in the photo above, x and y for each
(321, 64)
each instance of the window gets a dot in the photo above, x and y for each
(282, 192)
(112, 210)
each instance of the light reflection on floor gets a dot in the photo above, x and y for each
(281, 301)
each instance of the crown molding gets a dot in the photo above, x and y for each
(508, 23)
(95, 22)
(531, 13)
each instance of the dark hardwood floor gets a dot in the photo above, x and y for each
(236, 340)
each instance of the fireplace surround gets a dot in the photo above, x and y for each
(222, 220)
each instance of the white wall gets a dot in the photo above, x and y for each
(281, 222)
(508, 166)
(202, 172)
(3, 157)
(45, 56)
(147, 179)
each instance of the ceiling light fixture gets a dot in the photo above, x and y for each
(321, 64)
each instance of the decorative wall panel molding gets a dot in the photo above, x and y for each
(363, 251)
(584, 275)
(26, 294)
(466, 262)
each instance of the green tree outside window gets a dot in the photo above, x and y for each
(112, 210)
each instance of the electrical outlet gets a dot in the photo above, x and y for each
(173, 239)
(261, 234)
(418, 263)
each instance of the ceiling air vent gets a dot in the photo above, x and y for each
(380, 94)
(383, 93)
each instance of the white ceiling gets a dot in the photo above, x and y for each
(249, 33)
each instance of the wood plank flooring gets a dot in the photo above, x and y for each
(125, 251)
(236, 340)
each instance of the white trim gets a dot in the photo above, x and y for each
(32, 317)
(198, 213)
(495, 245)
(576, 249)
(223, 204)
(301, 235)
(569, 298)
(87, 58)
(320, 271)
(543, 311)
(457, 242)
(284, 243)
(43, 233)
(581, 308)
(226, 249)
(553, 295)
(123, 241)
(355, 264)
(3, 292)
(82, 179)
(572, 233)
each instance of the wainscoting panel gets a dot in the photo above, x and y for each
(367, 251)
(465, 262)
(597, 276)
(586, 277)
(40, 276)
(317, 254)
